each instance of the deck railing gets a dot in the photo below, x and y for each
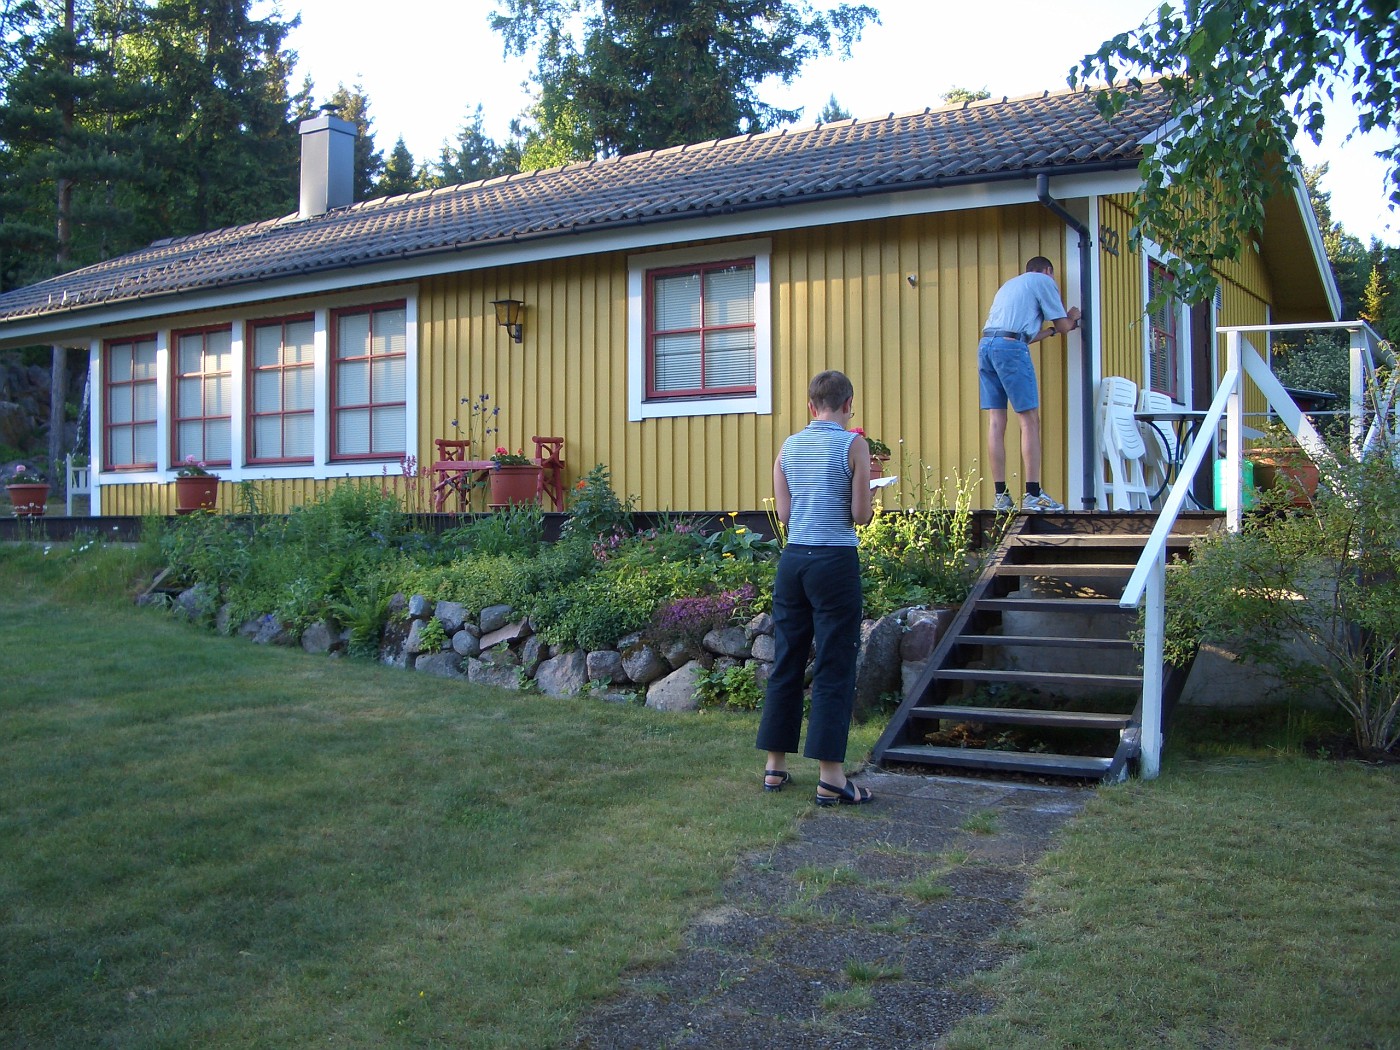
(1373, 425)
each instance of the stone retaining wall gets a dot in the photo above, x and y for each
(500, 648)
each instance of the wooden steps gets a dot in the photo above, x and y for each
(1043, 636)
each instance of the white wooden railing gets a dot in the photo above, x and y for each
(1372, 419)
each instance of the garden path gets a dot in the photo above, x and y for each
(860, 932)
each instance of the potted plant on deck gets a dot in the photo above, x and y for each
(879, 453)
(28, 490)
(195, 487)
(1280, 463)
(515, 478)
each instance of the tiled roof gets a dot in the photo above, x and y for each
(979, 142)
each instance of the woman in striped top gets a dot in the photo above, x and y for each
(822, 482)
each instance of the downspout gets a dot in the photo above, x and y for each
(1042, 193)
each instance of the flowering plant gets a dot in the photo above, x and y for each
(192, 468)
(877, 447)
(23, 475)
(504, 457)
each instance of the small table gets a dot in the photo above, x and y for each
(1184, 423)
(459, 476)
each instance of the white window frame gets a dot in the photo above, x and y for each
(760, 402)
(1151, 253)
(320, 467)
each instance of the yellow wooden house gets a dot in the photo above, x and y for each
(673, 306)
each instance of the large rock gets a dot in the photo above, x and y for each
(320, 637)
(420, 607)
(508, 632)
(563, 675)
(764, 647)
(923, 629)
(494, 617)
(452, 615)
(605, 665)
(465, 643)
(877, 664)
(440, 665)
(678, 691)
(643, 664)
(728, 641)
(502, 676)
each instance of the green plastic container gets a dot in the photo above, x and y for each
(1249, 495)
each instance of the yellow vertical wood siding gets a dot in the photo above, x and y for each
(841, 299)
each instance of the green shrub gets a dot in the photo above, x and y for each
(595, 510)
(516, 530)
(1313, 592)
(922, 553)
(734, 687)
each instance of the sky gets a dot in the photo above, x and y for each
(425, 65)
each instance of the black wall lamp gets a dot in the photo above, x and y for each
(508, 315)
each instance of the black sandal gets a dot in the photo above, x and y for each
(847, 795)
(786, 778)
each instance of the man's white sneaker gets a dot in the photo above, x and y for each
(1004, 504)
(1041, 503)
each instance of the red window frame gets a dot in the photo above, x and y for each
(283, 370)
(132, 386)
(702, 330)
(178, 450)
(1164, 336)
(338, 361)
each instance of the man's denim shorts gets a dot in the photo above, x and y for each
(1004, 370)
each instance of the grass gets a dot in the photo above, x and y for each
(1247, 898)
(206, 843)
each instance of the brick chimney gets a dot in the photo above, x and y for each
(327, 164)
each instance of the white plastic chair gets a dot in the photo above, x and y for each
(1160, 439)
(78, 482)
(1123, 448)
(1113, 391)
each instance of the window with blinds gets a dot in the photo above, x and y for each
(281, 388)
(129, 404)
(203, 396)
(369, 355)
(700, 331)
(1163, 350)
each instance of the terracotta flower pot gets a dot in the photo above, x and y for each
(30, 501)
(1285, 468)
(516, 484)
(196, 493)
(877, 466)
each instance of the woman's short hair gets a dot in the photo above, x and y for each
(830, 389)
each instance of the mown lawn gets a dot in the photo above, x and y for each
(207, 843)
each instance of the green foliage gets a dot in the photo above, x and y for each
(922, 553)
(739, 543)
(733, 687)
(1312, 592)
(1244, 80)
(621, 76)
(432, 636)
(595, 509)
(518, 529)
(364, 610)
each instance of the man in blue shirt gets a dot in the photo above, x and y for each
(1019, 315)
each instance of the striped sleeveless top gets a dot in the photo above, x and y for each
(817, 465)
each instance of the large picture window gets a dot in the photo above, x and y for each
(282, 387)
(129, 404)
(369, 375)
(1164, 333)
(701, 332)
(203, 396)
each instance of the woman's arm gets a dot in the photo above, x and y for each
(862, 510)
